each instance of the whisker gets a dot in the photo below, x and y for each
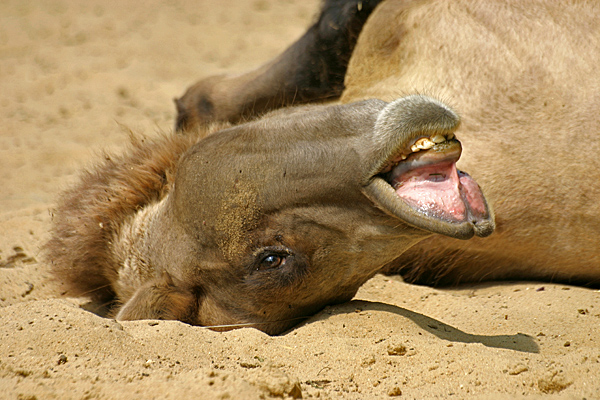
(108, 303)
(69, 293)
(93, 290)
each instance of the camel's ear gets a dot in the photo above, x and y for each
(159, 299)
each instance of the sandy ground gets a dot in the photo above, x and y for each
(72, 73)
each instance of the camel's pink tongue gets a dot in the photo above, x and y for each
(435, 190)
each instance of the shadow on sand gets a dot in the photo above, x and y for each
(518, 342)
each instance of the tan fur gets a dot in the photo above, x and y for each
(159, 298)
(523, 75)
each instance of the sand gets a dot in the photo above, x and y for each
(73, 74)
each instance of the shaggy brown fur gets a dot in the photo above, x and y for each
(89, 214)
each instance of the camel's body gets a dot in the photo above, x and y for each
(524, 77)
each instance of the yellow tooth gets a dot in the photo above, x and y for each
(414, 148)
(422, 144)
(427, 144)
(438, 139)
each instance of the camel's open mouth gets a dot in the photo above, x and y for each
(422, 186)
(429, 181)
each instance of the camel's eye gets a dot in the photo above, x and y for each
(271, 261)
(276, 267)
(272, 257)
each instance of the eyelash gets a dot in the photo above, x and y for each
(281, 256)
(276, 267)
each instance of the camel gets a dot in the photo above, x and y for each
(251, 217)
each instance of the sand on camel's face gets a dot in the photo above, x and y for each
(72, 73)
